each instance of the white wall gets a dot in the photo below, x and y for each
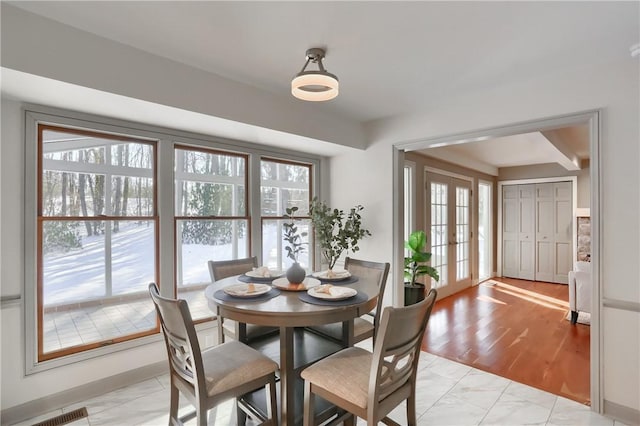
(552, 170)
(366, 177)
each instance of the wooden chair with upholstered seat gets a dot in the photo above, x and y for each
(238, 331)
(370, 385)
(229, 370)
(362, 328)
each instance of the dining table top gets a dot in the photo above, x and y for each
(287, 308)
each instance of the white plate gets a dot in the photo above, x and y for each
(246, 290)
(337, 293)
(339, 275)
(256, 274)
(284, 284)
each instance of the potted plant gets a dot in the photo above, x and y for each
(296, 273)
(415, 266)
(336, 231)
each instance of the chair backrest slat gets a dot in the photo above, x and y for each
(183, 349)
(397, 347)
(227, 268)
(375, 271)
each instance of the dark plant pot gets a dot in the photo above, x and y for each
(413, 293)
(296, 274)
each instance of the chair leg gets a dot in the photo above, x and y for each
(220, 328)
(574, 317)
(241, 416)
(173, 406)
(272, 404)
(309, 409)
(411, 409)
(201, 414)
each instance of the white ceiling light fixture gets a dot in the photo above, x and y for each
(314, 86)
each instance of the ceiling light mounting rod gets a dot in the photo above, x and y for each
(318, 85)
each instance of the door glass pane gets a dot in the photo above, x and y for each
(439, 232)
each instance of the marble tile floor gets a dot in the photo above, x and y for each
(449, 393)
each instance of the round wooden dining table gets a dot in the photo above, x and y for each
(288, 312)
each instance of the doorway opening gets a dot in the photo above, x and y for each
(590, 121)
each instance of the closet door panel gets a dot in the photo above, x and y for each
(544, 233)
(526, 237)
(563, 230)
(563, 264)
(510, 227)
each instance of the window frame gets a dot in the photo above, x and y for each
(167, 139)
(41, 218)
(177, 219)
(313, 261)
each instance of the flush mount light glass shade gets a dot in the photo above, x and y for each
(312, 86)
(317, 85)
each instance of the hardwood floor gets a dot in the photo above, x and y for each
(515, 329)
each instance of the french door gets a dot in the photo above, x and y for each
(449, 218)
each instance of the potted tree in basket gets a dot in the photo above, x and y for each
(415, 266)
(336, 231)
(296, 273)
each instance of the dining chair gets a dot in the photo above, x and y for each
(363, 328)
(238, 331)
(370, 385)
(229, 370)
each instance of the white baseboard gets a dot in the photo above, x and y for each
(626, 415)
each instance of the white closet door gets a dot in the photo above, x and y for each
(510, 226)
(545, 232)
(537, 225)
(526, 232)
(563, 231)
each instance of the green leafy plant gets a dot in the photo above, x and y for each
(415, 264)
(294, 239)
(335, 230)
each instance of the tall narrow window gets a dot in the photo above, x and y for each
(409, 199)
(463, 233)
(211, 218)
(282, 185)
(485, 248)
(97, 244)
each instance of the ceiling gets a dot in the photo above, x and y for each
(392, 58)
(568, 147)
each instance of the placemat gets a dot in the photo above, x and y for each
(358, 298)
(221, 295)
(352, 279)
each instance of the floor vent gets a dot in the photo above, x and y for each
(65, 418)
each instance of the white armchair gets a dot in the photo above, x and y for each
(580, 290)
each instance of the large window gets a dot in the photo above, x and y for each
(284, 185)
(111, 207)
(96, 239)
(211, 218)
